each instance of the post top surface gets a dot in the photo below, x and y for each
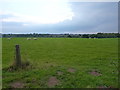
(16, 45)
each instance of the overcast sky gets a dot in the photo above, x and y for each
(44, 16)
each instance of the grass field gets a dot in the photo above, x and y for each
(62, 63)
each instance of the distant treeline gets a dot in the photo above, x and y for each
(98, 35)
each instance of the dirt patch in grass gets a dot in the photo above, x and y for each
(17, 84)
(59, 73)
(95, 73)
(71, 70)
(49, 64)
(104, 87)
(53, 81)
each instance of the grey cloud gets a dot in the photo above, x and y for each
(89, 17)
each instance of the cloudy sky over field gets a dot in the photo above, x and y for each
(56, 16)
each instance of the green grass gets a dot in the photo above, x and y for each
(49, 55)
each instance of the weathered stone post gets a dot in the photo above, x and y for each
(18, 56)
